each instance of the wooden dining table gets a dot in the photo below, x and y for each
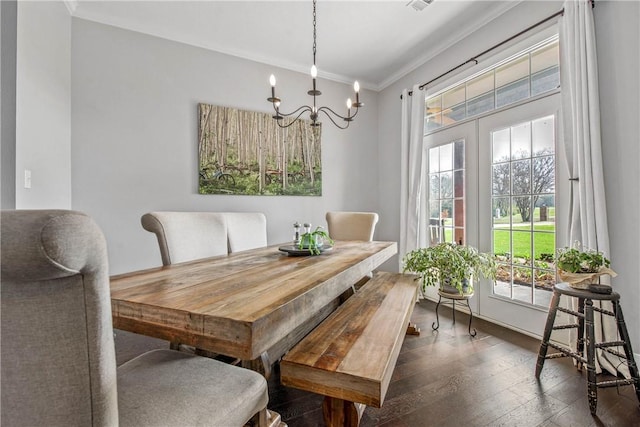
(252, 305)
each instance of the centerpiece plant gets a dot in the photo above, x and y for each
(450, 265)
(315, 240)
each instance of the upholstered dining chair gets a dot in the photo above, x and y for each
(58, 357)
(185, 236)
(352, 226)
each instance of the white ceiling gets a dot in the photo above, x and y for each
(375, 42)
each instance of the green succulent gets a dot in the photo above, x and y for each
(310, 240)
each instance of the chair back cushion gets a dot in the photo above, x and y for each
(352, 225)
(246, 230)
(58, 360)
(185, 236)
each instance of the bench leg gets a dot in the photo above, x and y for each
(341, 413)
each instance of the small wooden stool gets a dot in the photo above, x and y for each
(585, 326)
(454, 296)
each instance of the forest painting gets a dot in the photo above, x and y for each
(246, 152)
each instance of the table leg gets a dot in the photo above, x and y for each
(262, 365)
(341, 413)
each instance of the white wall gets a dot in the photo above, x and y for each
(618, 49)
(134, 137)
(43, 105)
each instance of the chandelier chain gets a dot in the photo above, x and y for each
(314, 32)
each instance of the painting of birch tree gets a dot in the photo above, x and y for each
(246, 152)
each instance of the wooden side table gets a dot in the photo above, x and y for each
(586, 338)
(454, 296)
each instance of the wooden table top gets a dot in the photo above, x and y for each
(243, 303)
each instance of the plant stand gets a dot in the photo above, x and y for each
(453, 297)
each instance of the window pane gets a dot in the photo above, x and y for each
(501, 181)
(434, 160)
(543, 135)
(446, 210)
(453, 97)
(446, 185)
(434, 187)
(522, 212)
(433, 105)
(544, 248)
(544, 177)
(502, 243)
(512, 71)
(459, 213)
(458, 149)
(501, 145)
(521, 141)
(501, 210)
(480, 104)
(446, 157)
(481, 85)
(544, 58)
(545, 80)
(512, 92)
(434, 210)
(458, 183)
(433, 122)
(521, 171)
(454, 114)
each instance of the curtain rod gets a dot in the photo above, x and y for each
(475, 58)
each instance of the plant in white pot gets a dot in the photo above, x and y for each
(450, 266)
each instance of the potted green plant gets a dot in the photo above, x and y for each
(450, 266)
(314, 240)
(581, 267)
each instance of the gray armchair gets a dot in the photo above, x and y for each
(58, 358)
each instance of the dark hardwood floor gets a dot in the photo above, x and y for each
(447, 378)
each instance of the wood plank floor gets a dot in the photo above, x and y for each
(447, 378)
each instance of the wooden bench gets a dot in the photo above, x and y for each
(349, 358)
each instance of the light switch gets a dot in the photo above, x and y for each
(27, 178)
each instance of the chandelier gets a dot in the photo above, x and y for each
(313, 110)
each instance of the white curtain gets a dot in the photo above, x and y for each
(581, 125)
(411, 170)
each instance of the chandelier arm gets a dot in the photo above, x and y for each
(296, 118)
(301, 109)
(323, 109)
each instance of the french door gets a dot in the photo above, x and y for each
(501, 197)
(518, 194)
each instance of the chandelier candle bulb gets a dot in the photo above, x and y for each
(356, 89)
